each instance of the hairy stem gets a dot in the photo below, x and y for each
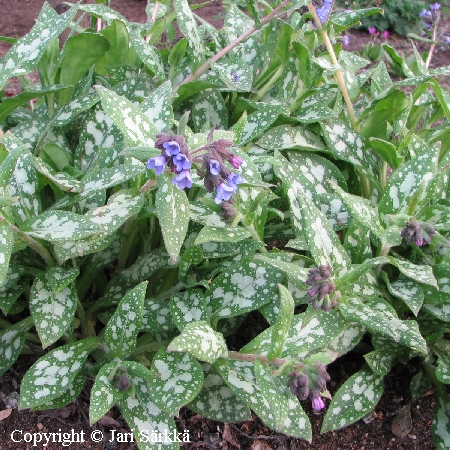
(204, 67)
(432, 47)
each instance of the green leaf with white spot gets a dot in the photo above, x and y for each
(25, 54)
(172, 206)
(289, 417)
(53, 312)
(67, 397)
(6, 246)
(15, 148)
(381, 360)
(68, 112)
(192, 256)
(121, 206)
(11, 343)
(407, 290)
(24, 184)
(239, 126)
(188, 306)
(281, 327)
(438, 215)
(347, 145)
(215, 234)
(200, 341)
(410, 180)
(259, 121)
(441, 349)
(143, 416)
(439, 428)
(59, 277)
(51, 374)
(355, 398)
(125, 324)
(136, 127)
(156, 316)
(322, 241)
(346, 19)
(235, 73)
(442, 312)
(357, 271)
(375, 321)
(12, 287)
(59, 225)
(104, 395)
(176, 379)
(246, 286)
(148, 54)
(63, 180)
(190, 30)
(241, 379)
(209, 109)
(98, 132)
(216, 400)
(422, 274)
(158, 107)
(362, 211)
(314, 113)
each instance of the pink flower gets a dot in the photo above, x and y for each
(385, 34)
(372, 31)
(317, 404)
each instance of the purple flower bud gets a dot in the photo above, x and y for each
(317, 403)
(214, 167)
(345, 40)
(157, 163)
(223, 192)
(314, 290)
(172, 148)
(183, 180)
(325, 289)
(236, 162)
(418, 232)
(181, 162)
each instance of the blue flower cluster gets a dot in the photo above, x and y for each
(430, 16)
(176, 156)
(324, 11)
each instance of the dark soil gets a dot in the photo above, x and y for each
(16, 18)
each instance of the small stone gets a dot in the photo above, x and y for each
(412, 436)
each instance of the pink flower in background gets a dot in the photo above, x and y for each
(372, 31)
(385, 34)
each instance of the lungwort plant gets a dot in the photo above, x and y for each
(142, 193)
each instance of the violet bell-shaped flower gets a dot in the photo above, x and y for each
(233, 180)
(172, 148)
(181, 162)
(317, 403)
(223, 193)
(183, 180)
(157, 163)
(214, 167)
(324, 11)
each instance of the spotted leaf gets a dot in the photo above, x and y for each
(188, 307)
(289, 417)
(247, 286)
(216, 234)
(209, 109)
(422, 274)
(148, 54)
(135, 126)
(6, 246)
(11, 343)
(104, 394)
(59, 225)
(200, 341)
(63, 180)
(156, 316)
(439, 428)
(172, 208)
(125, 324)
(355, 398)
(25, 54)
(67, 397)
(407, 290)
(53, 312)
(51, 374)
(259, 121)
(158, 107)
(216, 400)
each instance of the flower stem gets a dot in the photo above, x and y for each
(204, 67)
(251, 357)
(432, 47)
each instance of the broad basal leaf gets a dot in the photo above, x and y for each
(49, 377)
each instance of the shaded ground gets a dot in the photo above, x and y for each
(16, 18)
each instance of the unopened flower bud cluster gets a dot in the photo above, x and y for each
(319, 278)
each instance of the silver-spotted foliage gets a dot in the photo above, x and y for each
(155, 196)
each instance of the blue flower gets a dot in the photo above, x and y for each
(158, 163)
(324, 11)
(447, 40)
(183, 180)
(233, 180)
(435, 6)
(172, 148)
(425, 14)
(214, 167)
(223, 192)
(181, 162)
